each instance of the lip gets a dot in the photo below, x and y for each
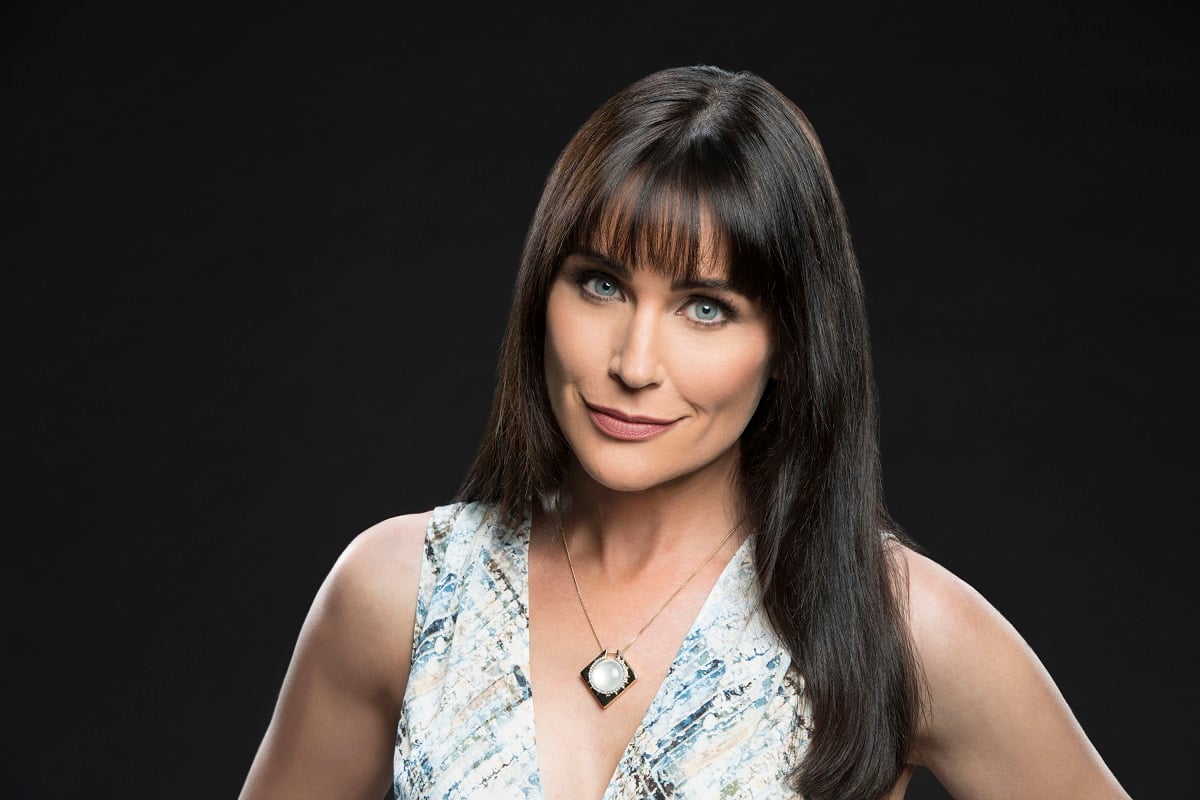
(627, 427)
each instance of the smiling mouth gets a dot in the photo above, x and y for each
(625, 427)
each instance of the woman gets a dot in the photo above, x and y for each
(671, 550)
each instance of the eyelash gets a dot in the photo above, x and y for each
(585, 276)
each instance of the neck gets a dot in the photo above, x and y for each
(682, 520)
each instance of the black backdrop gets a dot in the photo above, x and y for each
(257, 265)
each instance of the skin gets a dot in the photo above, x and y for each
(643, 516)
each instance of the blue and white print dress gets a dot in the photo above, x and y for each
(730, 719)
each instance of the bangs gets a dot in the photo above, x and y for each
(671, 223)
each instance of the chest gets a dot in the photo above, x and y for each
(495, 706)
(580, 743)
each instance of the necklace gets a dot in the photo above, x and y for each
(609, 674)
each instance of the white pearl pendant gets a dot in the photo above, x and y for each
(607, 676)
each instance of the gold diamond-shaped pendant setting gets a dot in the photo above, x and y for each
(607, 677)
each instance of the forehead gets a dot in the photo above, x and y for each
(708, 260)
(671, 234)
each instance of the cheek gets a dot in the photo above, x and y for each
(731, 380)
(567, 353)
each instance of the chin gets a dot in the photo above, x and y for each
(629, 474)
(626, 483)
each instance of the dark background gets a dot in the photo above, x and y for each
(257, 265)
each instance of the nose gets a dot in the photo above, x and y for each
(637, 357)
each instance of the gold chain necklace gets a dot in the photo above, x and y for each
(609, 674)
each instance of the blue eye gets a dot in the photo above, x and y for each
(602, 286)
(706, 311)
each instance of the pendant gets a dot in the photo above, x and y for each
(608, 676)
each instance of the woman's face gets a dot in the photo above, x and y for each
(652, 381)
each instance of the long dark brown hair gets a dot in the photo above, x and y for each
(699, 142)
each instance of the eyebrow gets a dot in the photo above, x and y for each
(712, 284)
(611, 263)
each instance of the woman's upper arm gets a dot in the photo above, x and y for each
(334, 726)
(997, 726)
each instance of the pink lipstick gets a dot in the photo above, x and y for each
(625, 426)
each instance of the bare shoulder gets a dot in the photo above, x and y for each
(968, 650)
(995, 719)
(383, 563)
(365, 609)
(334, 724)
(372, 587)
(950, 620)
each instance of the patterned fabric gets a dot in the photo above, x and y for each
(726, 721)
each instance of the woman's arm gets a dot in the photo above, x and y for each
(997, 726)
(334, 727)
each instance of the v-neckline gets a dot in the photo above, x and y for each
(654, 710)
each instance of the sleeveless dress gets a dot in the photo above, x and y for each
(730, 719)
